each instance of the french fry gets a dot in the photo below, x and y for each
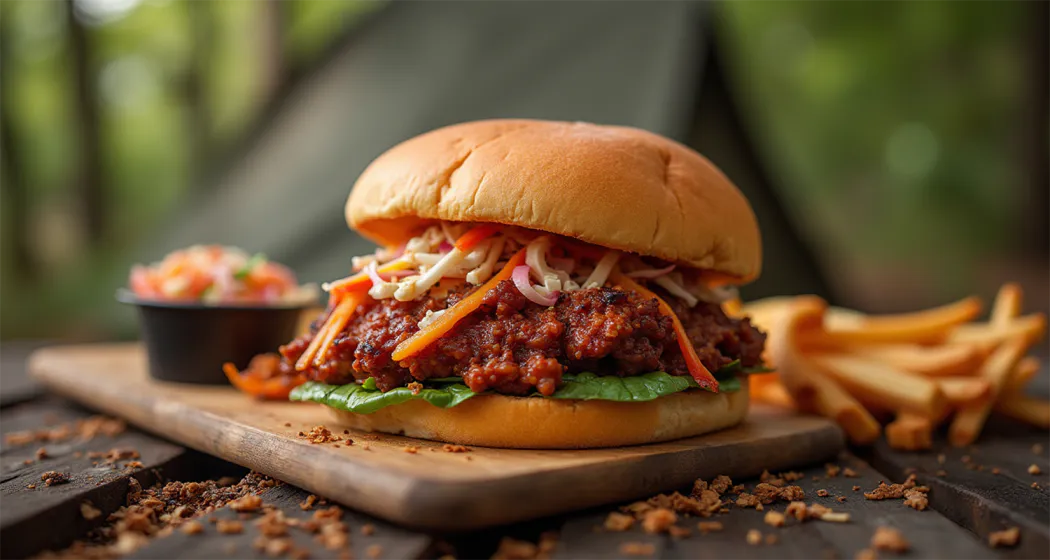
(884, 385)
(967, 424)
(811, 390)
(929, 326)
(1007, 304)
(1019, 377)
(1030, 327)
(910, 432)
(772, 393)
(1026, 409)
(964, 390)
(948, 360)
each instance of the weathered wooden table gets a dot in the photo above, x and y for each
(973, 492)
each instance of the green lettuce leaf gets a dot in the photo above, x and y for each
(366, 398)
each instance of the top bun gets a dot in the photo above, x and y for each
(613, 186)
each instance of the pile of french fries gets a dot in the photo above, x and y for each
(911, 371)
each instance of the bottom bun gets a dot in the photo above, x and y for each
(539, 423)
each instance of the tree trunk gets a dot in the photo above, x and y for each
(88, 180)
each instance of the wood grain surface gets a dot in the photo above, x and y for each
(429, 488)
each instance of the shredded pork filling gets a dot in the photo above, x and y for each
(514, 346)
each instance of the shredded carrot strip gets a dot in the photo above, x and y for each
(277, 388)
(692, 361)
(362, 280)
(444, 323)
(337, 322)
(327, 332)
(476, 235)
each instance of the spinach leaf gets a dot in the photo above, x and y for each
(357, 398)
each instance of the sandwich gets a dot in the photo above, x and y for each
(538, 284)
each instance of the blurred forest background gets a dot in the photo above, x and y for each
(909, 144)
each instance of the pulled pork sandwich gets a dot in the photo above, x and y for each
(541, 285)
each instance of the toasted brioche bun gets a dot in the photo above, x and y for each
(540, 423)
(613, 186)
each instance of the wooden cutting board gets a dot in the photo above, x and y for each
(430, 488)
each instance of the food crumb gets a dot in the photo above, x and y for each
(840, 499)
(1034, 469)
(368, 529)
(822, 493)
(41, 454)
(835, 517)
(832, 470)
(415, 387)
(771, 539)
(410, 449)
(287, 424)
(888, 538)
(308, 504)
(774, 519)
(1005, 538)
(796, 510)
(51, 478)
(995, 470)
(89, 511)
(866, 554)
(637, 549)
(916, 499)
(1037, 448)
(248, 502)
(709, 526)
(856, 488)
(618, 522)
(658, 520)
(455, 448)
(849, 473)
(31, 486)
(229, 526)
(319, 434)
(677, 532)
(754, 537)
(1036, 485)
(374, 551)
(192, 527)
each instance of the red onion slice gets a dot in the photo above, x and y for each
(370, 269)
(650, 272)
(379, 277)
(520, 276)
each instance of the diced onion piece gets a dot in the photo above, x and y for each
(381, 289)
(675, 289)
(521, 279)
(429, 318)
(424, 337)
(482, 272)
(602, 270)
(650, 272)
(412, 289)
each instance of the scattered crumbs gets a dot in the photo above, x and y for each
(51, 478)
(888, 538)
(832, 470)
(677, 532)
(746, 500)
(635, 548)
(822, 493)
(856, 488)
(368, 529)
(995, 470)
(737, 489)
(319, 434)
(89, 511)
(410, 449)
(866, 554)
(797, 510)
(41, 454)
(894, 491)
(31, 486)
(287, 424)
(349, 442)
(709, 526)
(941, 459)
(1005, 538)
(248, 502)
(1036, 486)
(1034, 469)
(374, 551)
(915, 499)
(27, 462)
(229, 526)
(455, 448)
(774, 519)
(308, 503)
(85, 429)
(192, 527)
(840, 499)
(1037, 449)
(658, 520)
(134, 465)
(835, 517)
(754, 538)
(618, 522)
(849, 473)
